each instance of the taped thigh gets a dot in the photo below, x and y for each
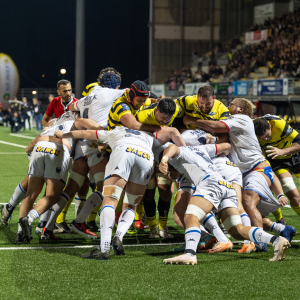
(99, 176)
(287, 184)
(232, 221)
(152, 184)
(196, 211)
(163, 179)
(112, 191)
(79, 179)
(132, 199)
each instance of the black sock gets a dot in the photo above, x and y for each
(163, 207)
(150, 207)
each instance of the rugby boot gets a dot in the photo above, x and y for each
(38, 230)
(154, 234)
(261, 247)
(247, 248)
(220, 247)
(207, 243)
(20, 237)
(280, 249)
(25, 228)
(82, 230)
(48, 235)
(92, 226)
(281, 221)
(97, 254)
(164, 233)
(288, 232)
(5, 215)
(184, 259)
(118, 246)
(139, 225)
(131, 230)
(63, 226)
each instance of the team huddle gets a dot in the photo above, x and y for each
(224, 165)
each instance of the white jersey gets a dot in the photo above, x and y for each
(98, 103)
(245, 149)
(121, 136)
(195, 162)
(195, 137)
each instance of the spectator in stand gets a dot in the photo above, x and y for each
(25, 113)
(38, 113)
(60, 104)
(14, 107)
(50, 98)
(16, 122)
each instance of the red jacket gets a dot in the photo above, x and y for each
(57, 107)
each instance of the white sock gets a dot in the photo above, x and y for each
(192, 238)
(125, 221)
(18, 195)
(257, 235)
(32, 215)
(107, 222)
(56, 209)
(94, 200)
(204, 232)
(211, 224)
(45, 216)
(79, 203)
(246, 222)
(277, 228)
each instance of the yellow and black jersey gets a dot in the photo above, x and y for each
(89, 88)
(147, 115)
(189, 105)
(121, 107)
(282, 135)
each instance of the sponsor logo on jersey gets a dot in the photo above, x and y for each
(48, 150)
(211, 113)
(230, 163)
(138, 153)
(225, 183)
(58, 169)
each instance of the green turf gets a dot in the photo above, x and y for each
(140, 274)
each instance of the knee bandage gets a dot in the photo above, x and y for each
(79, 179)
(196, 211)
(152, 184)
(132, 199)
(232, 221)
(287, 184)
(112, 191)
(99, 176)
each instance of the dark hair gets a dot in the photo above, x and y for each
(64, 82)
(206, 91)
(167, 106)
(260, 126)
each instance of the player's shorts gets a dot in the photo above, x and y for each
(134, 165)
(256, 182)
(215, 190)
(229, 171)
(49, 160)
(186, 185)
(85, 148)
(281, 166)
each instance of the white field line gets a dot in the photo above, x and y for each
(91, 246)
(13, 152)
(22, 136)
(12, 144)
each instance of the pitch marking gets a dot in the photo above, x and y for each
(22, 136)
(12, 144)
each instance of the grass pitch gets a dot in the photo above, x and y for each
(60, 273)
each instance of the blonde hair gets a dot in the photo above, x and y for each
(247, 106)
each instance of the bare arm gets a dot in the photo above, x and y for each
(46, 119)
(207, 125)
(31, 145)
(170, 152)
(82, 124)
(77, 134)
(223, 148)
(73, 107)
(277, 189)
(276, 152)
(170, 133)
(130, 122)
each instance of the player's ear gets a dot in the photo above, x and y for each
(58, 92)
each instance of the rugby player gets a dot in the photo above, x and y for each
(247, 155)
(212, 192)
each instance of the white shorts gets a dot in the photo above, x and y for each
(86, 148)
(136, 167)
(215, 190)
(228, 170)
(186, 185)
(256, 182)
(49, 160)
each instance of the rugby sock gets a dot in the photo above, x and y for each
(139, 212)
(18, 195)
(150, 209)
(44, 218)
(56, 210)
(246, 222)
(277, 228)
(277, 214)
(92, 202)
(296, 209)
(79, 203)
(62, 216)
(204, 232)
(125, 222)
(163, 208)
(192, 238)
(107, 222)
(258, 235)
(32, 215)
(211, 225)
(92, 216)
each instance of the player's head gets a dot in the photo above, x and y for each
(164, 111)
(206, 98)
(241, 106)
(109, 78)
(64, 89)
(262, 129)
(138, 93)
(34, 100)
(24, 99)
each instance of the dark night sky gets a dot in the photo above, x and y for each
(39, 35)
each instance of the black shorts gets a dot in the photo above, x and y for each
(292, 164)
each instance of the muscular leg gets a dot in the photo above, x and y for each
(182, 201)
(250, 200)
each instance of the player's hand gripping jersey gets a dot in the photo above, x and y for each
(189, 106)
